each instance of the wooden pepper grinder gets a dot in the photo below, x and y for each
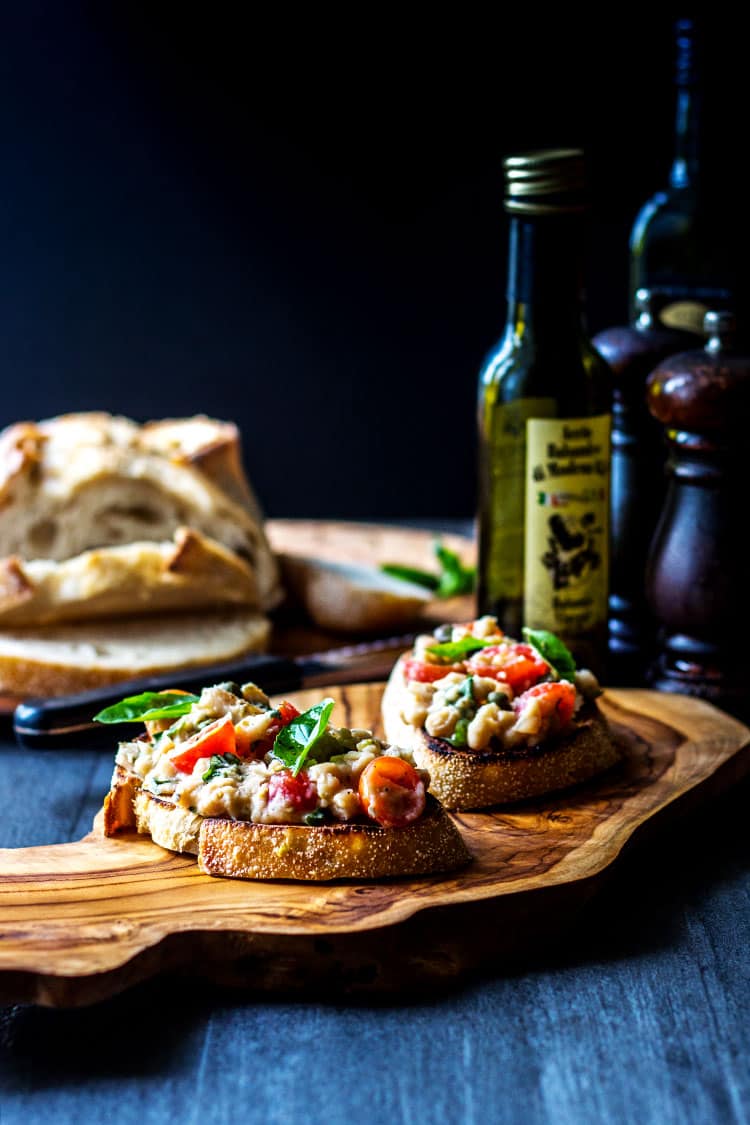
(696, 581)
(638, 483)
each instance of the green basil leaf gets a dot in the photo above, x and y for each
(553, 650)
(219, 763)
(146, 706)
(294, 742)
(452, 651)
(455, 578)
(317, 816)
(411, 574)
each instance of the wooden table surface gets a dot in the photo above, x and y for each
(640, 1013)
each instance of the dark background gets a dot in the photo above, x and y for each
(294, 220)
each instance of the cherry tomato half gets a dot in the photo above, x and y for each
(391, 792)
(517, 665)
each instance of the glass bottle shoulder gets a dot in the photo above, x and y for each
(571, 372)
(667, 215)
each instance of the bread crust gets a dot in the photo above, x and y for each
(188, 572)
(61, 660)
(463, 779)
(243, 850)
(81, 481)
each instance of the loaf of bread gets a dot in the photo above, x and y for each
(127, 550)
(82, 481)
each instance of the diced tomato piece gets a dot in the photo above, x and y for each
(557, 702)
(154, 726)
(217, 738)
(299, 791)
(427, 673)
(287, 712)
(520, 666)
(391, 792)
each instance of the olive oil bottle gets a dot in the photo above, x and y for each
(545, 412)
(681, 241)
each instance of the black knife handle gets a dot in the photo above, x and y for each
(65, 723)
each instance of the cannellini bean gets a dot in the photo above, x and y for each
(441, 722)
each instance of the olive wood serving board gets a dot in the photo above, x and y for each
(82, 921)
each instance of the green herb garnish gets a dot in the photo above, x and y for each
(219, 763)
(451, 651)
(411, 574)
(459, 736)
(454, 577)
(294, 742)
(317, 816)
(553, 650)
(147, 706)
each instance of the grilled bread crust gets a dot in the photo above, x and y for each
(242, 850)
(465, 779)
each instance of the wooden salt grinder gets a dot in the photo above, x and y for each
(696, 581)
(638, 483)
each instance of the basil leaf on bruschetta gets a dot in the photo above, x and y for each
(219, 763)
(147, 707)
(294, 742)
(553, 650)
(452, 651)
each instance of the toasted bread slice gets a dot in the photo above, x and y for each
(243, 850)
(190, 572)
(61, 659)
(465, 779)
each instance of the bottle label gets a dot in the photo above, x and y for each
(567, 523)
(685, 315)
(507, 471)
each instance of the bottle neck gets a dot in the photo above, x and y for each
(545, 276)
(684, 171)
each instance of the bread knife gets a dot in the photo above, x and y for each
(66, 722)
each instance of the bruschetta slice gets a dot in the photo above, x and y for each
(494, 720)
(263, 792)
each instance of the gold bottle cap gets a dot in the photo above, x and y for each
(545, 182)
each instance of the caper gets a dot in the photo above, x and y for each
(443, 633)
(501, 699)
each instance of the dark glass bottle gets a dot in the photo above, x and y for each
(545, 423)
(638, 480)
(680, 242)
